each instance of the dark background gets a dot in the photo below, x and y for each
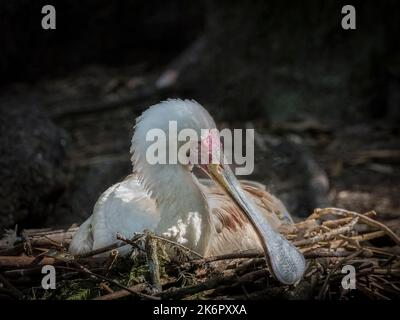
(325, 101)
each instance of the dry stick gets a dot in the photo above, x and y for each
(180, 293)
(84, 270)
(122, 293)
(319, 213)
(22, 261)
(139, 235)
(370, 292)
(389, 283)
(339, 243)
(105, 287)
(348, 242)
(375, 283)
(382, 251)
(336, 223)
(214, 283)
(389, 261)
(246, 278)
(320, 253)
(314, 230)
(6, 293)
(152, 261)
(249, 264)
(328, 235)
(51, 237)
(363, 218)
(368, 236)
(248, 255)
(19, 273)
(111, 260)
(47, 231)
(52, 242)
(110, 247)
(252, 276)
(383, 271)
(15, 292)
(306, 224)
(13, 251)
(231, 256)
(372, 250)
(267, 293)
(178, 245)
(132, 241)
(341, 262)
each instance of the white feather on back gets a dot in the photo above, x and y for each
(124, 208)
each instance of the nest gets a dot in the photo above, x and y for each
(349, 256)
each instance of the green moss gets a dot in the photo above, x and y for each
(76, 290)
(83, 294)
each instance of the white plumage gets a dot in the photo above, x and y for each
(169, 200)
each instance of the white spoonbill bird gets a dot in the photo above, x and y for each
(210, 216)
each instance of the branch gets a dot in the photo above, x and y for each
(152, 261)
(363, 218)
(328, 235)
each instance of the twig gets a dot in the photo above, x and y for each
(7, 293)
(23, 261)
(152, 261)
(324, 287)
(95, 275)
(336, 223)
(45, 238)
(321, 252)
(369, 236)
(132, 241)
(178, 245)
(101, 250)
(13, 251)
(363, 218)
(249, 265)
(122, 293)
(231, 256)
(8, 285)
(328, 235)
(191, 290)
(104, 286)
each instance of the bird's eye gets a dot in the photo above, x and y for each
(188, 153)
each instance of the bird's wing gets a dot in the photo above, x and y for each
(124, 208)
(232, 231)
(267, 201)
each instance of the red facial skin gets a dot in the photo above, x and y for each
(208, 149)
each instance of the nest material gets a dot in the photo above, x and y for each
(330, 239)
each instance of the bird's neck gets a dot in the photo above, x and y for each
(184, 213)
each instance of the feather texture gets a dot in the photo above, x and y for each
(169, 200)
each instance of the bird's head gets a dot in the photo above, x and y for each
(169, 130)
